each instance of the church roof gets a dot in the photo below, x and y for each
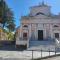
(44, 16)
(41, 14)
(41, 5)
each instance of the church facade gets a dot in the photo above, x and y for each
(39, 25)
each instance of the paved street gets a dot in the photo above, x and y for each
(9, 52)
(22, 55)
(13, 59)
(53, 58)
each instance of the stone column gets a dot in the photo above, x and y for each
(29, 31)
(51, 32)
(44, 31)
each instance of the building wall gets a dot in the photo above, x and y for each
(43, 24)
(32, 23)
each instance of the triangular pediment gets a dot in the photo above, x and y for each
(42, 16)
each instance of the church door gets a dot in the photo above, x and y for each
(40, 34)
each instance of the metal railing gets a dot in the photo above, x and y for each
(41, 54)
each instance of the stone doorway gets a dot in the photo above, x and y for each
(25, 35)
(40, 34)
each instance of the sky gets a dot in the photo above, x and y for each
(22, 7)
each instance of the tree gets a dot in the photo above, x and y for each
(6, 16)
(10, 23)
(7, 19)
(10, 36)
(3, 10)
(11, 27)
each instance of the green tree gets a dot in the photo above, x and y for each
(6, 16)
(3, 11)
(7, 19)
(10, 36)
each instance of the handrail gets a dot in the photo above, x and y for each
(57, 41)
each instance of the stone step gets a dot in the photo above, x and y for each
(37, 43)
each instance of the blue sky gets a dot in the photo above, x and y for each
(21, 7)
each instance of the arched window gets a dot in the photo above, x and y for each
(40, 13)
(25, 26)
(56, 26)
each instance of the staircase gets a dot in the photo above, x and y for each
(44, 45)
(42, 42)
